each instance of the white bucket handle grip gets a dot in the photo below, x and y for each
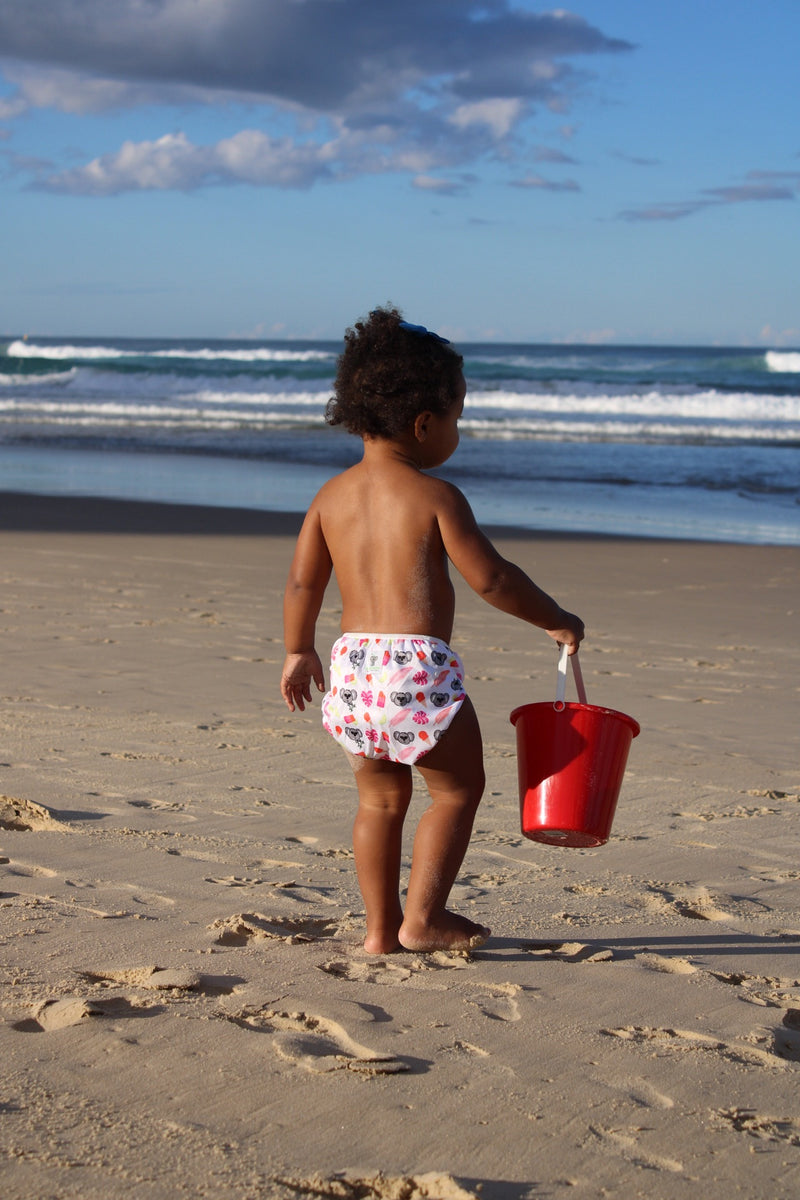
(561, 685)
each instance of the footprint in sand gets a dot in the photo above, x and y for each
(135, 756)
(158, 805)
(786, 1042)
(375, 971)
(669, 966)
(23, 815)
(238, 881)
(587, 889)
(486, 881)
(739, 812)
(764, 990)
(774, 794)
(242, 928)
(432, 1186)
(770, 875)
(316, 1044)
(569, 951)
(52, 1015)
(398, 970)
(762, 1050)
(642, 1092)
(497, 837)
(172, 979)
(760, 1126)
(499, 1003)
(697, 904)
(629, 1146)
(30, 871)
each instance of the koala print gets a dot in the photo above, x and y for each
(392, 697)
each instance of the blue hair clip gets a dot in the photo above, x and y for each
(423, 332)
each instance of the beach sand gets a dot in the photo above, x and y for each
(186, 1006)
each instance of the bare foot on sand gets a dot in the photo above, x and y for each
(449, 931)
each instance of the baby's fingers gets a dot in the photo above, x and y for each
(295, 692)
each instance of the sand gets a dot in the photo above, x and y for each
(186, 1009)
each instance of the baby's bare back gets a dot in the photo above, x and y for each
(382, 532)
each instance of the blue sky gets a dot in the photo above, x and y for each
(616, 171)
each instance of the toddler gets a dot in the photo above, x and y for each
(396, 699)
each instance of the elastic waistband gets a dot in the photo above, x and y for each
(393, 637)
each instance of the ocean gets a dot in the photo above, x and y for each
(652, 441)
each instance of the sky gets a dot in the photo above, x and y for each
(618, 171)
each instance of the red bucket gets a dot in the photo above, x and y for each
(571, 760)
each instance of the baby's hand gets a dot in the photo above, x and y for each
(298, 672)
(572, 633)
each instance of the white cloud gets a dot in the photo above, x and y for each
(780, 337)
(9, 109)
(551, 155)
(671, 211)
(547, 185)
(437, 83)
(173, 162)
(500, 116)
(443, 187)
(759, 187)
(744, 192)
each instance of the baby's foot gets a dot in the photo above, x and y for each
(448, 931)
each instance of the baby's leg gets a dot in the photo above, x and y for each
(384, 794)
(454, 774)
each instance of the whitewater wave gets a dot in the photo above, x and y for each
(731, 406)
(244, 356)
(783, 361)
(555, 429)
(54, 377)
(24, 349)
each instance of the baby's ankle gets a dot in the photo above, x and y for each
(382, 944)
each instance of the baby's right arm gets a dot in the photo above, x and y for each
(308, 577)
(499, 582)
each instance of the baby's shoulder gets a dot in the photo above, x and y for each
(336, 488)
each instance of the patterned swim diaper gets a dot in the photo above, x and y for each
(391, 696)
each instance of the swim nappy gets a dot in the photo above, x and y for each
(391, 696)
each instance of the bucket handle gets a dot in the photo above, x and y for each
(561, 685)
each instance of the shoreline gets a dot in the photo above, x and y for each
(41, 512)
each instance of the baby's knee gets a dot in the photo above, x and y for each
(477, 790)
(467, 794)
(385, 794)
(474, 789)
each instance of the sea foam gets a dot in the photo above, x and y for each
(783, 360)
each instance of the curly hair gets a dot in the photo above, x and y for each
(389, 373)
